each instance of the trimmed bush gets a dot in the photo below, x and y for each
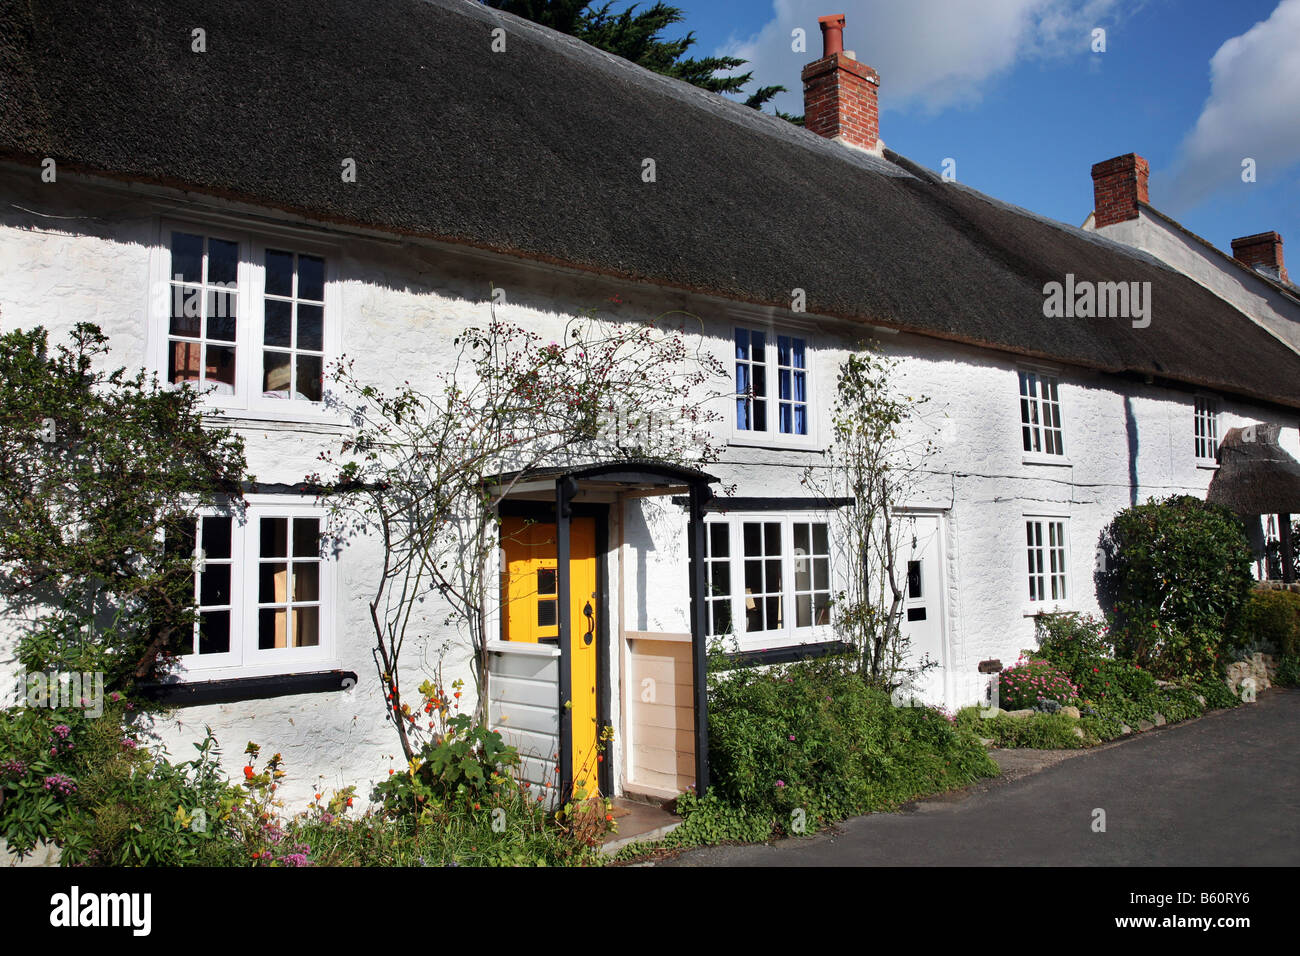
(1274, 618)
(1178, 576)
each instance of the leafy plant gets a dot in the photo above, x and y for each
(1177, 576)
(96, 467)
(1273, 618)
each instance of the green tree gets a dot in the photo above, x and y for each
(637, 35)
(97, 469)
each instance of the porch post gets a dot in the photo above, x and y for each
(1287, 548)
(699, 634)
(564, 490)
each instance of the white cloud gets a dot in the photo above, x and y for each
(930, 53)
(1252, 112)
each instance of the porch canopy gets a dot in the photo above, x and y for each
(603, 483)
(1257, 477)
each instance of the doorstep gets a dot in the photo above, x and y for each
(638, 822)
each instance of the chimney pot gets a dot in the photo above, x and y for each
(1118, 185)
(1262, 249)
(832, 34)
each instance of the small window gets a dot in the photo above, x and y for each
(1048, 567)
(1040, 414)
(293, 335)
(204, 305)
(769, 577)
(261, 587)
(1207, 428)
(760, 358)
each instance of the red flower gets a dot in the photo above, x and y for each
(248, 773)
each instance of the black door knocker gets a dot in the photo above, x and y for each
(591, 624)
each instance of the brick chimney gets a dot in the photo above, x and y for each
(1118, 185)
(839, 93)
(1263, 249)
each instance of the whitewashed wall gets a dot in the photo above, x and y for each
(402, 304)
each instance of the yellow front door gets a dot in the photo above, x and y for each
(531, 602)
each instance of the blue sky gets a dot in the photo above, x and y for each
(1012, 90)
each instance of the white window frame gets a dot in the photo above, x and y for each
(1047, 554)
(1038, 405)
(248, 400)
(1205, 412)
(245, 659)
(787, 635)
(772, 436)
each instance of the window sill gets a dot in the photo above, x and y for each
(788, 653)
(1208, 465)
(1045, 607)
(231, 690)
(275, 416)
(1058, 460)
(745, 440)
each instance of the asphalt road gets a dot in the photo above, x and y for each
(1223, 790)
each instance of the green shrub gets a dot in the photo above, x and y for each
(1068, 639)
(1028, 682)
(1273, 617)
(89, 785)
(1178, 576)
(1288, 672)
(1102, 681)
(1040, 731)
(812, 741)
(469, 765)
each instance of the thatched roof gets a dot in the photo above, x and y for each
(1256, 476)
(537, 152)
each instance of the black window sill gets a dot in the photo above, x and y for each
(784, 655)
(248, 688)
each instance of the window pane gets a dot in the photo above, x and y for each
(753, 540)
(742, 414)
(803, 610)
(787, 419)
(276, 368)
(754, 577)
(774, 620)
(721, 578)
(801, 419)
(214, 632)
(214, 585)
(309, 377)
(760, 417)
(914, 579)
(821, 574)
(311, 327)
(221, 368)
(719, 540)
(306, 626)
(273, 582)
(721, 617)
(223, 262)
(783, 383)
(306, 537)
(187, 257)
(221, 316)
(820, 544)
(311, 278)
(187, 311)
(759, 346)
(797, 353)
(760, 380)
(279, 273)
(306, 582)
(279, 323)
(275, 538)
(742, 344)
(801, 539)
(773, 576)
(183, 362)
(272, 624)
(546, 581)
(782, 350)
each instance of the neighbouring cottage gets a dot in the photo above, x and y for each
(227, 172)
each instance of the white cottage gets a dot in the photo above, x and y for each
(353, 179)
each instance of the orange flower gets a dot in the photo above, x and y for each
(248, 773)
